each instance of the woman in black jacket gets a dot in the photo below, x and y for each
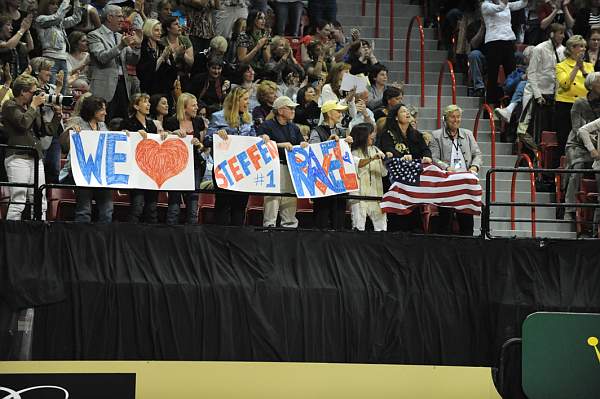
(400, 140)
(156, 68)
(187, 122)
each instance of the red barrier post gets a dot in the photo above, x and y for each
(363, 7)
(445, 64)
(488, 109)
(513, 193)
(416, 19)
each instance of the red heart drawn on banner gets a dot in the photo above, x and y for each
(161, 161)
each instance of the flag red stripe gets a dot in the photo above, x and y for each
(448, 204)
(449, 193)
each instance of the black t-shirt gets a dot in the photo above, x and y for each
(133, 125)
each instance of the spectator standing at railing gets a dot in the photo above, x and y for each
(110, 53)
(400, 140)
(187, 123)
(142, 201)
(159, 110)
(234, 119)
(570, 78)
(499, 41)
(329, 212)
(368, 161)
(266, 93)
(283, 131)
(91, 117)
(582, 144)
(50, 24)
(455, 150)
(23, 125)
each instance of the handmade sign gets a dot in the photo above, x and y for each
(248, 164)
(322, 169)
(116, 160)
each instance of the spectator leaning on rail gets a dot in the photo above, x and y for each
(582, 147)
(455, 149)
(282, 130)
(23, 125)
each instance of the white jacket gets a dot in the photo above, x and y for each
(497, 19)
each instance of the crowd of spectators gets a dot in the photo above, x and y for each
(203, 68)
(548, 50)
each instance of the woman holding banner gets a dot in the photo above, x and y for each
(91, 117)
(234, 119)
(329, 212)
(400, 140)
(186, 122)
(142, 201)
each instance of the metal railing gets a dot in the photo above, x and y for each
(416, 19)
(37, 192)
(513, 192)
(490, 112)
(445, 65)
(491, 203)
(391, 54)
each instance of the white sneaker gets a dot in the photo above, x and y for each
(503, 114)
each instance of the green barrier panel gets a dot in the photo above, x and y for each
(561, 356)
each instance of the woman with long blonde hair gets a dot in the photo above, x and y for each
(234, 119)
(186, 122)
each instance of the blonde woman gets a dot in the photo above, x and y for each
(266, 93)
(236, 120)
(187, 123)
(156, 68)
(570, 85)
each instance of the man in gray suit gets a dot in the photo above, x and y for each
(110, 53)
(455, 149)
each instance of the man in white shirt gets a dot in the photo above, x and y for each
(541, 75)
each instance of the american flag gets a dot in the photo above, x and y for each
(413, 184)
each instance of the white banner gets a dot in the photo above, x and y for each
(248, 164)
(322, 169)
(116, 160)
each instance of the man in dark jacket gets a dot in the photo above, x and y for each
(286, 134)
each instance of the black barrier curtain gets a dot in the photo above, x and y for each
(123, 291)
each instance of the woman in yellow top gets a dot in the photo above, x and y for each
(570, 78)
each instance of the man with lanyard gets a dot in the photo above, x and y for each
(283, 131)
(455, 150)
(541, 76)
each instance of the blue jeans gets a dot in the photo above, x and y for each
(288, 14)
(191, 202)
(143, 202)
(518, 94)
(83, 204)
(60, 65)
(476, 66)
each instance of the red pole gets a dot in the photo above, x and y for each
(363, 7)
(391, 30)
(377, 18)
(439, 91)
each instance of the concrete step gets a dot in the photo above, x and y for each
(402, 15)
(382, 53)
(431, 101)
(415, 89)
(523, 212)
